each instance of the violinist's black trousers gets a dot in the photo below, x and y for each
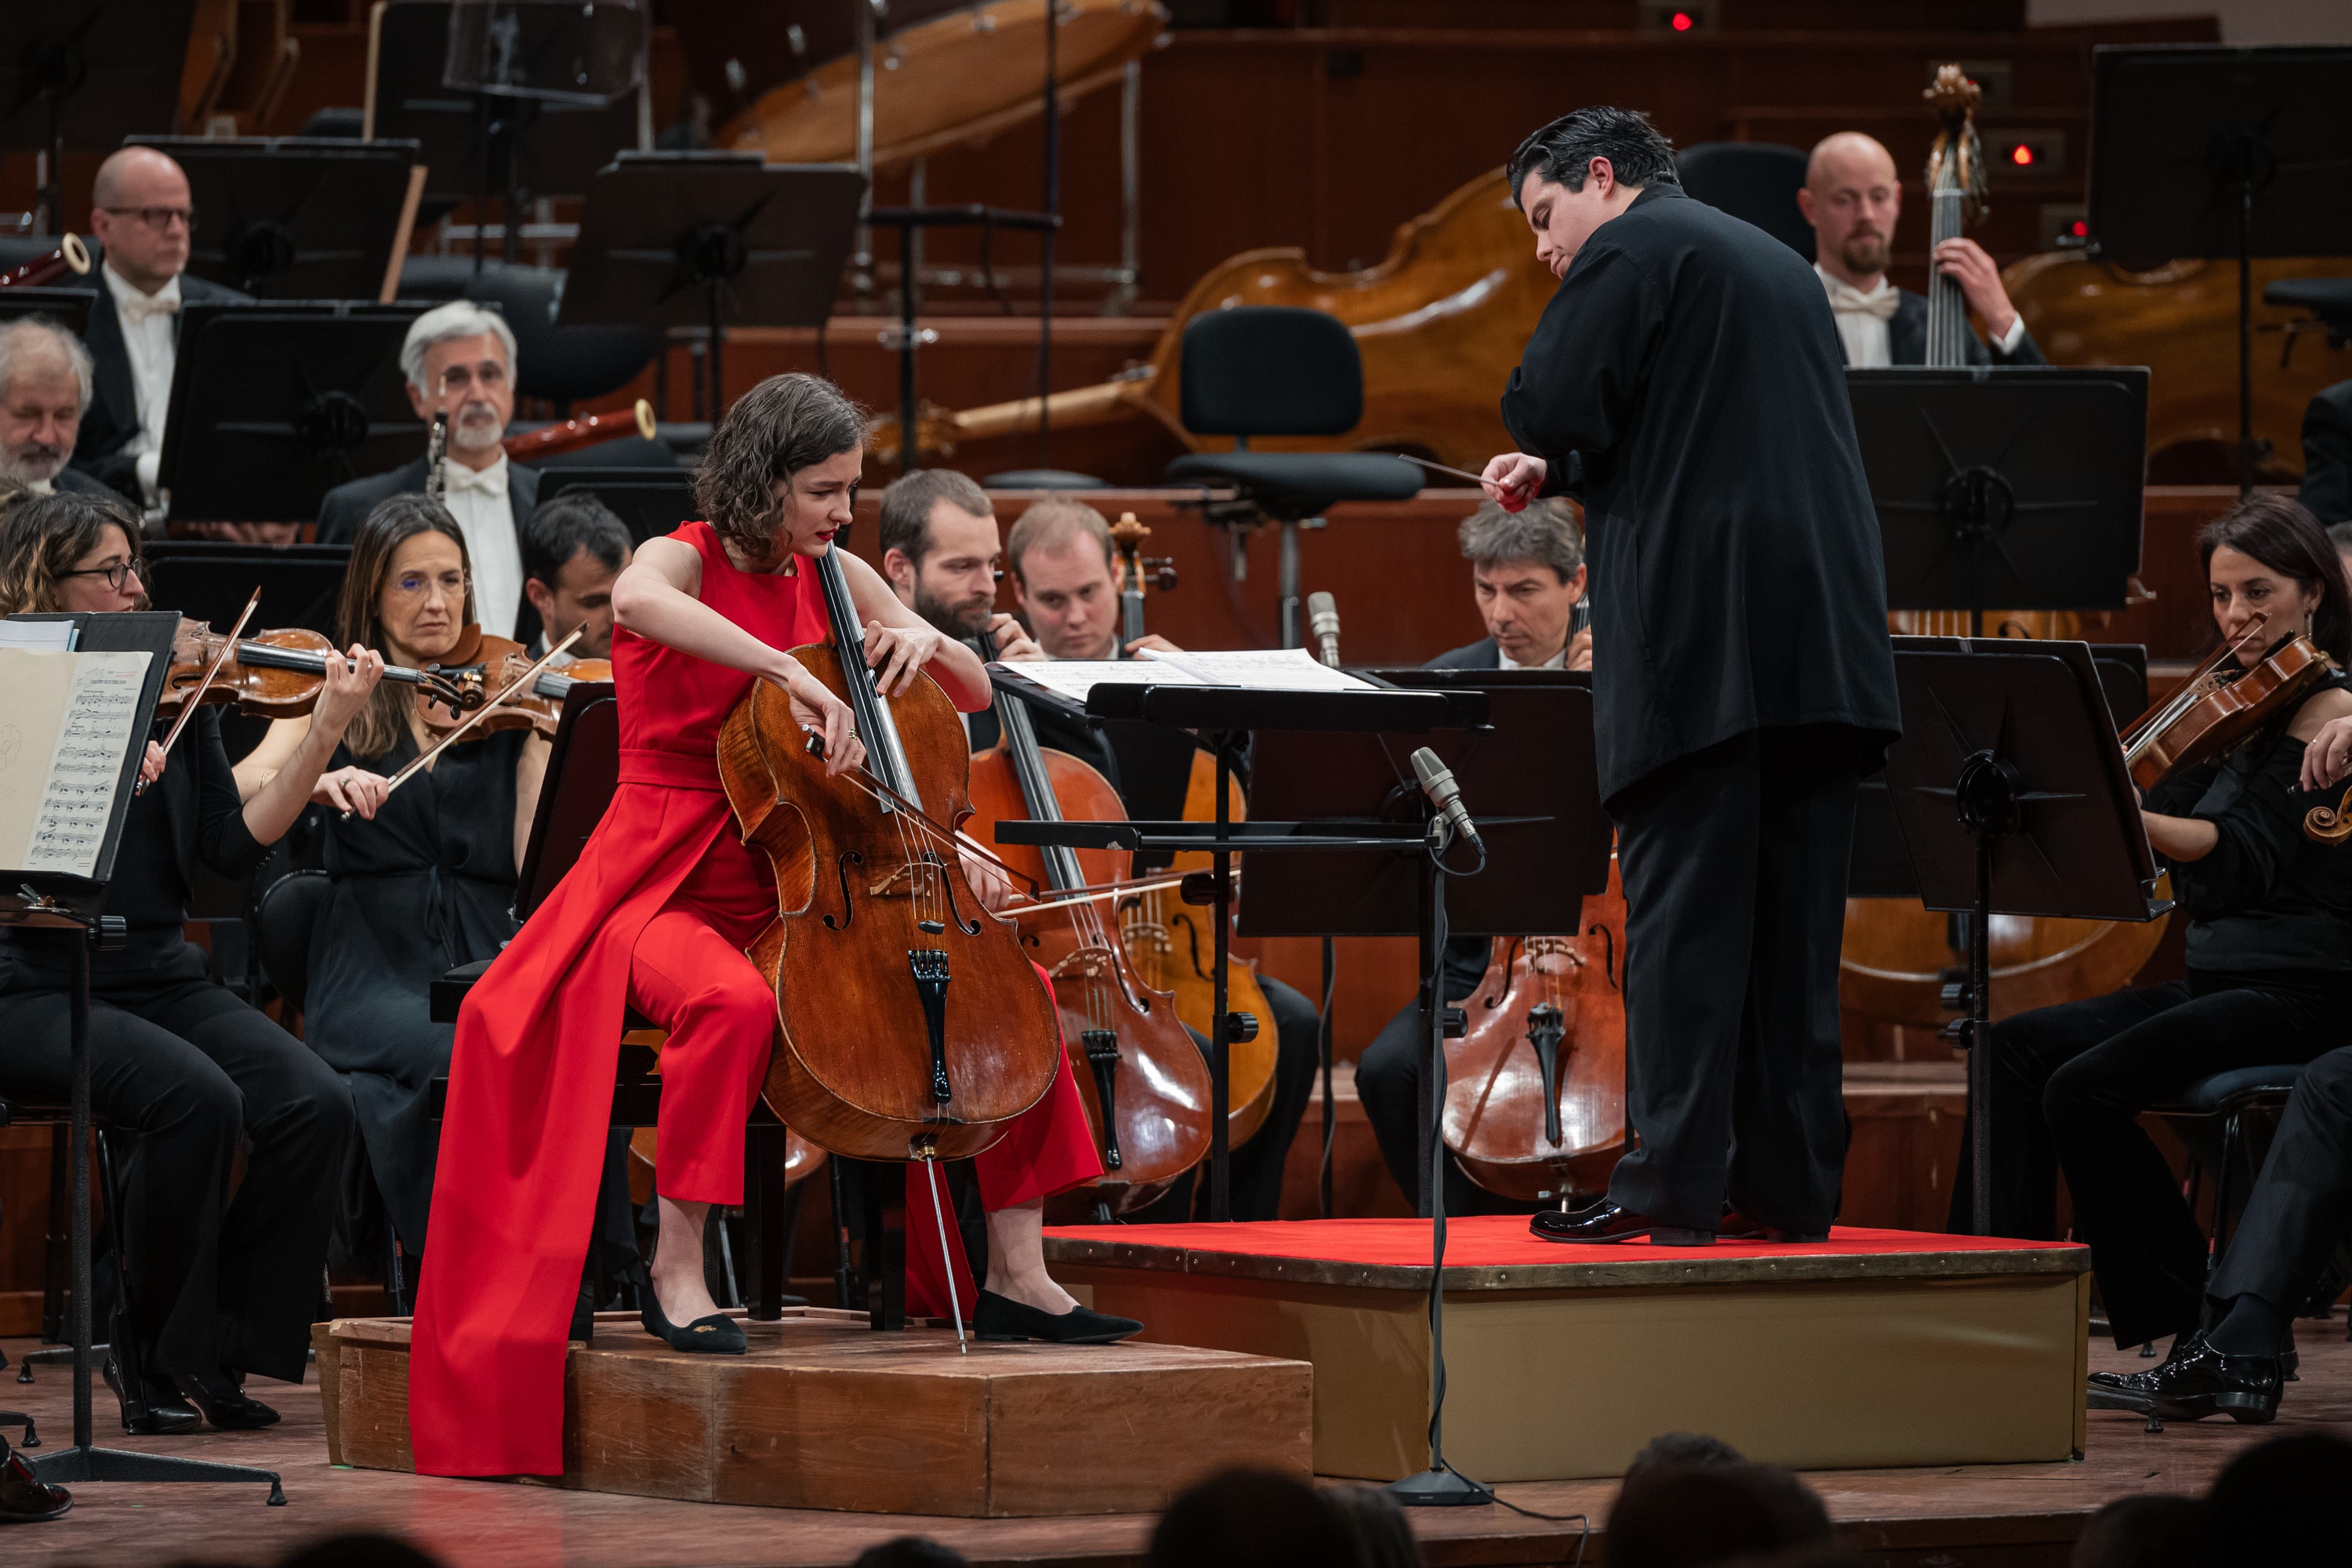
(2303, 1204)
(1734, 863)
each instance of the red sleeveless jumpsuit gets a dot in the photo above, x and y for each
(657, 913)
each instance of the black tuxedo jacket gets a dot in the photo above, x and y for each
(347, 506)
(71, 480)
(1480, 654)
(2326, 490)
(113, 418)
(1907, 337)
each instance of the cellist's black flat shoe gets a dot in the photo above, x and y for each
(717, 1334)
(1002, 1318)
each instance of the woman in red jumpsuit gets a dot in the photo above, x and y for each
(656, 915)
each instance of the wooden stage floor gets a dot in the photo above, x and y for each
(1958, 1517)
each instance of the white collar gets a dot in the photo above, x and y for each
(492, 480)
(1880, 302)
(135, 303)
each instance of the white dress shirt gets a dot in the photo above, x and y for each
(477, 499)
(1861, 320)
(152, 348)
(1557, 661)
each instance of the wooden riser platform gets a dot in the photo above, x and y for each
(825, 1414)
(1878, 1348)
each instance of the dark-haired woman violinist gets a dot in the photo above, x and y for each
(656, 914)
(2270, 960)
(422, 881)
(217, 1287)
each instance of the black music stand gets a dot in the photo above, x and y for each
(273, 405)
(209, 581)
(69, 906)
(2013, 797)
(2200, 151)
(679, 239)
(86, 74)
(474, 140)
(908, 221)
(583, 770)
(296, 218)
(69, 307)
(2009, 488)
(649, 502)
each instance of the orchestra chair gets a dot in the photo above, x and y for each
(2232, 1100)
(770, 1204)
(57, 1262)
(2327, 299)
(1042, 479)
(1278, 371)
(1756, 182)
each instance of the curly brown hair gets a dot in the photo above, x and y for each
(783, 425)
(41, 537)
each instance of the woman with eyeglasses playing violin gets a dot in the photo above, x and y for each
(655, 916)
(423, 880)
(216, 1288)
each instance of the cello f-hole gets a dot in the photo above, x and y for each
(848, 908)
(1609, 958)
(955, 911)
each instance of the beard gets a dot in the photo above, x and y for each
(475, 427)
(965, 618)
(1864, 253)
(33, 460)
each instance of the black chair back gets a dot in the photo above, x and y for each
(283, 917)
(1754, 181)
(1270, 369)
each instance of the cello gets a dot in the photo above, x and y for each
(1165, 942)
(911, 1024)
(1145, 1083)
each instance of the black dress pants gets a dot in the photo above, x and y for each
(187, 1070)
(1253, 1177)
(1734, 862)
(2069, 1083)
(2303, 1202)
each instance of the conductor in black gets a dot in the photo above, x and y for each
(1685, 384)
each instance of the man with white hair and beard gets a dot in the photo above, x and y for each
(1852, 197)
(460, 358)
(45, 384)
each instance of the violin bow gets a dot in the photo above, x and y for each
(424, 759)
(195, 699)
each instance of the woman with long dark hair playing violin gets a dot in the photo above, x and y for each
(217, 1287)
(656, 914)
(423, 880)
(2270, 958)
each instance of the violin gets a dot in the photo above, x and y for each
(1534, 1091)
(1145, 1082)
(493, 665)
(2216, 709)
(1155, 922)
(275, 674)
(912, 1025)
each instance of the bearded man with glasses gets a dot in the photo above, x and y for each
(459, 358)
(143, 218)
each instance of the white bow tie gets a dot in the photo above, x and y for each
(491, 480)
(1846, 299)
(138, 307)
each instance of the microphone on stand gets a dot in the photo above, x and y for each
(1323, 616)
(1445, 795)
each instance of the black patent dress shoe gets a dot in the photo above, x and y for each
(1607, 1222)
(25, 1498)
(159, 1411)
(2194, 1382)
(225, 1404)
(1737, 1226)
(1002, 1318)
(717, 1334)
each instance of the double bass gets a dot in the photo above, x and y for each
(911, 1024)
(1145, 1083)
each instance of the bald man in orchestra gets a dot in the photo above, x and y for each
(1852, 197)
(1685, 382)
(141, 213)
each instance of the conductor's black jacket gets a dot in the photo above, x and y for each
(1685, 384)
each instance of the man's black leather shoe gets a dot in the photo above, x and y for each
(224, 1403)
(25, 1498)
(1608, 1222)
(160, 1412)
(2196, 1381)
(1737, 1226)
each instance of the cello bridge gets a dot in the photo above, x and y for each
(1086, 963)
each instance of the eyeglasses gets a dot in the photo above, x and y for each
(157, 218)
(458, 377)
(116, 575)
(413, 583)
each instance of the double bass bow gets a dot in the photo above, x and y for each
(912, 1025)
(1145, 1083)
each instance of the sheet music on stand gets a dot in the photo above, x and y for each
(1066, 683)
(68, 722)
